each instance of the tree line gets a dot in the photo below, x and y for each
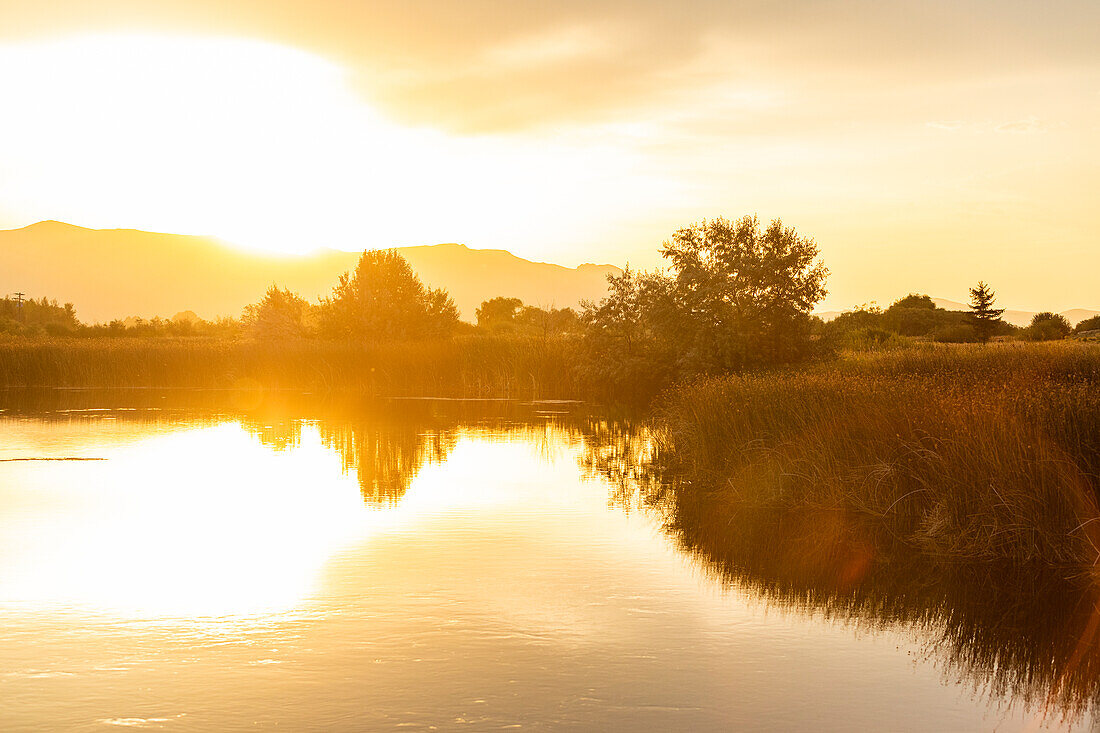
(736, 294)
(918, 317)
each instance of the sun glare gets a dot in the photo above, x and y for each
(264, 146)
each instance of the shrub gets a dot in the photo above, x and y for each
(956, 334)
(1089, 324)
(1047, 326)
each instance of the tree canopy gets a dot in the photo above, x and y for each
(382, 299)
(499, 311)
(280, 315)
(1047, 326)
(737, 294)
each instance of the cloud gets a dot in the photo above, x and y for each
(550, 48)
(1022, 126)
(1029, 125)
(496, 65)
(950, 125)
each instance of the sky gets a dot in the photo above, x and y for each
(923, 145)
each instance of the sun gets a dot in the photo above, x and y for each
(205, 135)
(265, 146)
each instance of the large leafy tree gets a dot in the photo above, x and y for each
(382, 299)
(745, 292)
(737, 294)
(985, 317)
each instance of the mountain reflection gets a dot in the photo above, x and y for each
(1031, 632)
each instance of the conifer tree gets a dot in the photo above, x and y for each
(984, 315)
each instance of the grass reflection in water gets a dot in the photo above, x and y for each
(1008, 630)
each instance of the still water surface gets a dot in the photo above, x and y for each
(423, 566)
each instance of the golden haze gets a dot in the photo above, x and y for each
(937, 144)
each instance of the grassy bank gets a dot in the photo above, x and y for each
(475, 366)
(966, 452)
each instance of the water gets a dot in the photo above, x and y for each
(248, 562)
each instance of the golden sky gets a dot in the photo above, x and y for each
(924, 145)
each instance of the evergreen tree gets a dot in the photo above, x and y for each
(985, 316)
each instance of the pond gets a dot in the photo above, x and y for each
(221, 561)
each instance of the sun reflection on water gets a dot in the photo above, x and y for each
(205, 521)
(384, 567)
(217, 521)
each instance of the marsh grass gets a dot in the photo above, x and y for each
(473, 366)
(965, 452)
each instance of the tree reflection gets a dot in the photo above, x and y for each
(1032, 632)
(383, 444)
(386, 456)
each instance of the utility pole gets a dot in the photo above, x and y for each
(19, 305)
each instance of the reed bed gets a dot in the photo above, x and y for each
(976, 453)
(474, 366)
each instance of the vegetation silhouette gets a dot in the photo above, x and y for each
(1047, 326)
(1005, 627)
(280, 315)
(978, 454)
(737, 298)
(36, 317)
(382, 299)
(982, 312)
(915, 317)
(1088, 325)
(510, 316)
(737, 295)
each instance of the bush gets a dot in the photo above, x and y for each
(956, 334)
(1047, 326)
(870, 339)
(1089, 324)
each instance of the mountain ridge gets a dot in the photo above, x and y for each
(118, 273)
(123, 272)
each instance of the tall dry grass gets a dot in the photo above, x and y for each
(967, 452)
(473, 366)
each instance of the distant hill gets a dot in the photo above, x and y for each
(1020, 318)
(1015, 317)
(115, 273)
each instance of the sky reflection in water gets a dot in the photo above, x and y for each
(418, 567)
